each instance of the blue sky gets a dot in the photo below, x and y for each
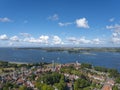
(83, 23)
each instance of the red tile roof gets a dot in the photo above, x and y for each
(107, 87)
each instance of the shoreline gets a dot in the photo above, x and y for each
(12, 62)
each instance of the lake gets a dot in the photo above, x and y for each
(106, 59)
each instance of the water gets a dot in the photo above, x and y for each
(106, 59)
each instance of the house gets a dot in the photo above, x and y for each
(107, 87)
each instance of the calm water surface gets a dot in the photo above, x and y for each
(107, 59)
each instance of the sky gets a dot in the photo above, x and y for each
(77, 23)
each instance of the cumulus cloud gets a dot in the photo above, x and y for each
(15, 38)
(43, 39)
(10, 44)
(82, 23)
(64, 24)
(54, 17)
(115, 27)
(116, 33)
(3, 37)
(83, 40)
(31, 40)
(57, 40)
(96, 41)
(72, 39)
(116, 40)
(54, 40)
(25, 34)
(5, 19)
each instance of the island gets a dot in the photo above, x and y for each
(74, 49)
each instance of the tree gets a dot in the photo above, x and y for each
(61, 86)
(62, 79)
(115, 88)
(80, 84)
(86, 65)
(32, 77)
(117, 79)
(5, 88)
(47, 87)
(50, 79)
(101, 69)
(76, 85)
(38, 85)
(22, 88)
(113, 72)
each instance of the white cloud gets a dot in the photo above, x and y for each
(25, 34)
(64, 24)
(15, 38)
(44, 39)
(114, 34)
(54, 17)
(115, 27)
(5, 19)
(116, 40)
(57, 40)
(111, 19)
(83, 40)
(82, 23)
(3, 37)
(54, 40)
(72, 39)
(30, 39)
(10, 44)
(96, 41)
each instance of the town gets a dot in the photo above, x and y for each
(55, 76)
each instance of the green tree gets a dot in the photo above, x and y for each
(86, 65)
(76, 85)
(115, 88)
(117, 79)
(47, 87)
(80, 84)
(101, 69)
(60, 86)
(113, 73)
(5, 88)
(38, 85)
(22, 88)
(50, 79)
